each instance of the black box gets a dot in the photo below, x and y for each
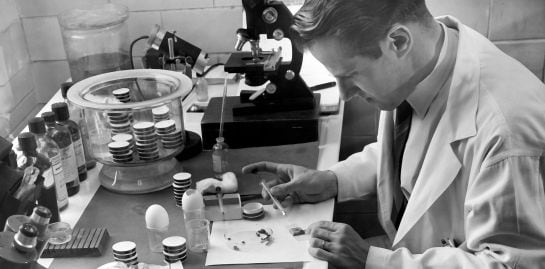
(258, 130)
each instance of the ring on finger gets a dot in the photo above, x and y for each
(323, 245)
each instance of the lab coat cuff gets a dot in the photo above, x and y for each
(345, 188)
(376, 258)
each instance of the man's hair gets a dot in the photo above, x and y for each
(357, 24)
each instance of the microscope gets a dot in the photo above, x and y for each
(283, 110)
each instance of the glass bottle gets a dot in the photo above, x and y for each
(50, 149)
(47, 195)
(62, 116)
(220, 160)
(201, 88)
(76, 115)
(40, 217)
(61, 136)
(25, 240)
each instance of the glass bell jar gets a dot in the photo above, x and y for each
(134, 121)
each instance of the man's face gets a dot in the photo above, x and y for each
(375, 80)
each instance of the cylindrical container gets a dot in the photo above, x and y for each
(96, 39)
(198, 231)
(143, 162)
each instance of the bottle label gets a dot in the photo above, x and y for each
(69, 165)
(49, 181)
(78, 149)
(60, 184)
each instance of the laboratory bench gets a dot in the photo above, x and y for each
(123, 214)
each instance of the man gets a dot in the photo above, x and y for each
(472, 167)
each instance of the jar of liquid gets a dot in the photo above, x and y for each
(96, 39)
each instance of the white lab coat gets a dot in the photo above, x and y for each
(482, 179)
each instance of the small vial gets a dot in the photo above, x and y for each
(220, 160)
(201, 88)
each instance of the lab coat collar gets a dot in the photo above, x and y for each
(458, 122)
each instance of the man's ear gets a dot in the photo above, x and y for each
(400, 40)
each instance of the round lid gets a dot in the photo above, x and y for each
(27, 142)
(65, 86)
(165, 124)
(182, 176)
(121, 91)
(252, 208)
(94, 17)
(61, 111)
(122, 137)
(174, 241)
(42, 211)
(49, 117)
(28, 230)
(160, 110)
(118, 145)
(36, 125)
(124, 247)
(143, 125)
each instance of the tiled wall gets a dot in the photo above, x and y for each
(33, 62)
(516, 26)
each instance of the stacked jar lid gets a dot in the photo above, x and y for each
(120, 122)
(182, 182)
(146, 140)
(125, 252)
(121, 151)
(160, 113)
(171, 137)
(123, 95)
(174, 249)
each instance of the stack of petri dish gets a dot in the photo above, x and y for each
(146, 141)
(121, 151)
(174, 249)
(160, 113)
(253, 211)
(120, 122)
(124, 138)
(123, 95)
(125, 252)
(170, 136)
(182, 182)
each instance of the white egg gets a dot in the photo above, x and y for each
(156, 217)
(192, 200)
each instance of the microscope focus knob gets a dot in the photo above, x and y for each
(289, 75)
(270, 15)
(278, 34)
(270, 88)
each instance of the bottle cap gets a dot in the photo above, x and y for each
(61, 111)
(49, 117)
(65, 86)
(27, 142)
(36, 125)
(28, 230)
(42, 211)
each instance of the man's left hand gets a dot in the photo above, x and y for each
(338, 244)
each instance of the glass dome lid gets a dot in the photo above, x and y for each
(151, 88)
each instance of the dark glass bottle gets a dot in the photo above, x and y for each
(62, 116)
(61, 136)
(51, 150)
(47, 196)
(76, 114)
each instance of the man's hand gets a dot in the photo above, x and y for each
(338, 244)
(296, 184)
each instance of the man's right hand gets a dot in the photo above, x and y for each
(296, 184)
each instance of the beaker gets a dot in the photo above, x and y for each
(96, 39)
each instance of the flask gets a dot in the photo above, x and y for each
(62, 116)
(46, 185)
(61, 136)
(201, 88)
(76, 115)
(220, 160)
(51, 150)
(40, 218)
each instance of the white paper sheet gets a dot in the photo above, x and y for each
(285, 247)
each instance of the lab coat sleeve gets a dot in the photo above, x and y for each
(504, 222)
(357, 175)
